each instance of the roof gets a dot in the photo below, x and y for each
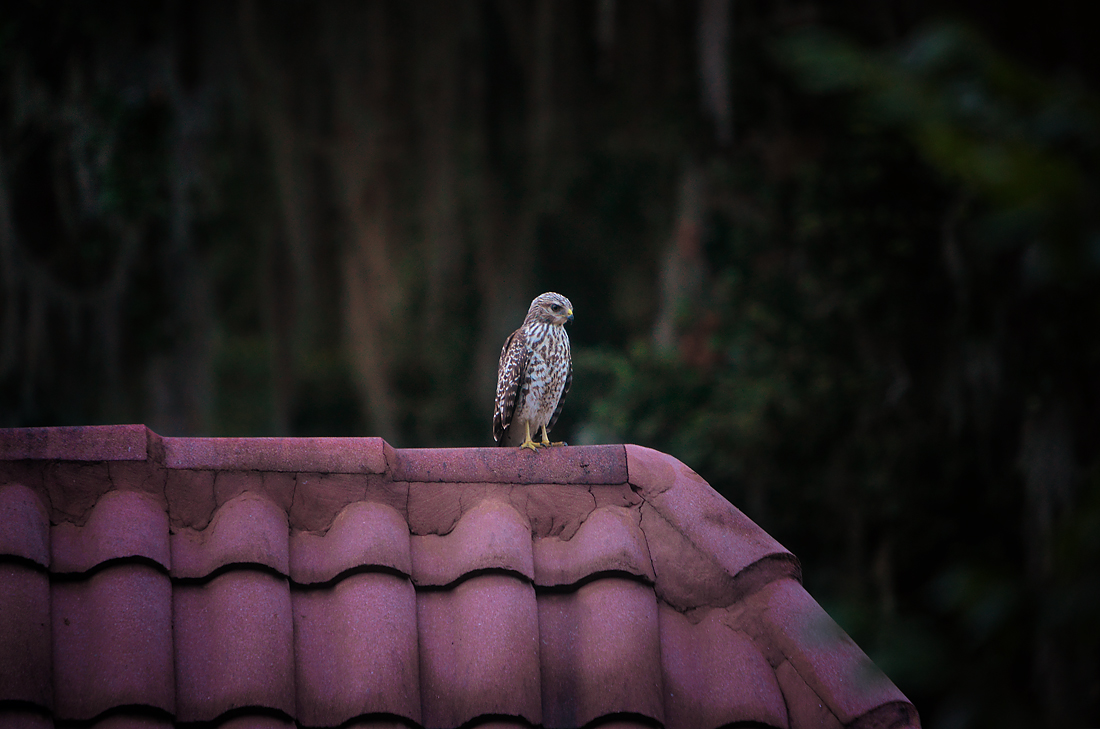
(329, 581)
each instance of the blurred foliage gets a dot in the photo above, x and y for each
(924, 290)
(869, 320)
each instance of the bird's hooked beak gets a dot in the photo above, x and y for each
(569, 315)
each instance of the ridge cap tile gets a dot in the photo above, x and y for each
(823, 655)
(699, 542)
(75, 443)
(318, 454)
(582, 465)
(807, 710)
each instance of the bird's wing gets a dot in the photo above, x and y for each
(561, 400)
(510, 373)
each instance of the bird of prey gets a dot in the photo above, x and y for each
(534, 374)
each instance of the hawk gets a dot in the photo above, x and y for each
(534, 374)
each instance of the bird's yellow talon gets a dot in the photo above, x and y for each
(527, 442)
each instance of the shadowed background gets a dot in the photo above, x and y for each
(842, 258)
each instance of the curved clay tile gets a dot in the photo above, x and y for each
(609, 540)
(26, 521)
(490, 536)
(26, 676)
(112, 636)
(234, 645)
(248, 530)
(479, 651)
(121, 524)
(342, 583)
(601, 649)
(715, 674)
(355, 645)
(364, 535)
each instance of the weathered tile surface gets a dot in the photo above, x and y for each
(25, 670)
(112, 642)
(338, 582)
(355, 645)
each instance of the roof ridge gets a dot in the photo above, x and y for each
(439, 586)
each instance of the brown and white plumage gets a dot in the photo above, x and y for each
(534, 374)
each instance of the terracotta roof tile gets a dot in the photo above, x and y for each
(132, 720)
(609, 540)
(247, 530)
(121, 524)
(277, 486)
(556, 510)
(807, 710)
(26, 673)
(435, 508)
(601, 648)
(112, 642)
(715, 675)
(356, 648)
(190, 496)
(73, 488)
(822, 654)
(576, 465)
(234, 643)
(26, 524)
(702, 548)
(365, 534)
(19, 718)
(342, 583)
(490, 536)
(479, 651)
(330, 455)
(257, 721)
(137, 476)
(76, 443)
(319, 497)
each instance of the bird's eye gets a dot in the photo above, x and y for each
(555, 308)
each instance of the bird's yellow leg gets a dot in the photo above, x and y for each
(546, 439)
(527, 442)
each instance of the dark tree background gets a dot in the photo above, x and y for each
(842, 258)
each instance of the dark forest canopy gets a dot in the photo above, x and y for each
(841, 258)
